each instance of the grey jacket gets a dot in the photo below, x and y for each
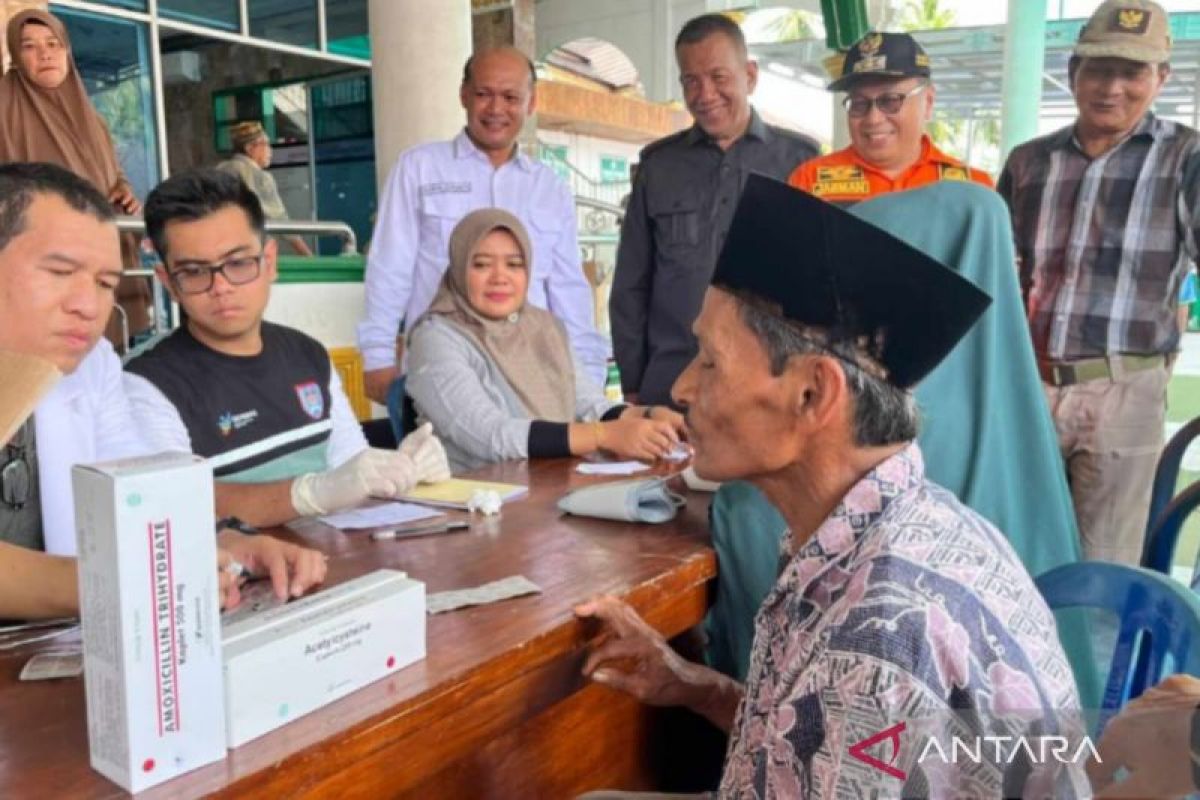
(472, 406)
(679, 212)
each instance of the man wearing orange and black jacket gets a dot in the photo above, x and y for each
(889, 98)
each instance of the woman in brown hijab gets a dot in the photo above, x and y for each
(45, 115)
(497, 377)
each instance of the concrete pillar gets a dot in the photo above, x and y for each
(1024, 63)
(417, 52)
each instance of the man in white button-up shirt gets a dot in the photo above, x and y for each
(434, 185)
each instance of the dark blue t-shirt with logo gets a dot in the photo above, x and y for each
(256, 418)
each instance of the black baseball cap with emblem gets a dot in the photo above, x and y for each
(867, 291)
(882, 55)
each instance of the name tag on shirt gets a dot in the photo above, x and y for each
(841, 180)
(949, 173)
(445, 187)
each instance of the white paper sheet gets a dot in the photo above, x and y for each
(611, 467)
(385, 514)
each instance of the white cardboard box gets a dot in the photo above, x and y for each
(290, 660)
(148, 591)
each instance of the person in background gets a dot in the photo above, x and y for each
(497, 376)
(889, 99)
(251, 157)
(46, 116)
(682, 202)
(1106, 220)
(262, 402)
(434, 185)
(59, 267)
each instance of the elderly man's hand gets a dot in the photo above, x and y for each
(635, 658)
(1151, 739)
(293, 569)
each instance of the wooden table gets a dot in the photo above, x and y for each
(498, 707)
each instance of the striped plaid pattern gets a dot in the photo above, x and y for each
(1103, 244)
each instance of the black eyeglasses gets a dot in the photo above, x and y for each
(198, 278)
(15, 473)
(858, 106)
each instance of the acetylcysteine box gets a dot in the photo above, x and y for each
(290, 660)
(148, 592)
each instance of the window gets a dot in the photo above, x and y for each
(286, 21)
(113, 58)
(221, 14)
(346, 28)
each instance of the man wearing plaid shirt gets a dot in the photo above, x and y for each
(1106, 216)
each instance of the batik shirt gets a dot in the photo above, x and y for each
(905, 607)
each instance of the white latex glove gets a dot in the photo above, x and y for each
(427, 453)
(371, 473)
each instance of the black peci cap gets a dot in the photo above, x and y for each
(884, 55)
(828, 269)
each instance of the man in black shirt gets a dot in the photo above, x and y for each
(682, 203)
(260, 401)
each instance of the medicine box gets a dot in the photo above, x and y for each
(148, 591)
(287, 661)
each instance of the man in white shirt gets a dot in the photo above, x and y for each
(60, 263)
(435, 185)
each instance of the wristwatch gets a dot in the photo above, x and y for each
(237, 525)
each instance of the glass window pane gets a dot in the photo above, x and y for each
(132, 5)
(287, 21)
(346, 28)
(114, 62)
(222, 14)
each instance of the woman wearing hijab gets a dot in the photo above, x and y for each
(497, 376)
(986, 432)
(45, 115)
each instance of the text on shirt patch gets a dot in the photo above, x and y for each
(949, 173)
(229, 422)
(445, 187)
(847, 179)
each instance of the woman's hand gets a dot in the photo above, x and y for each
(124, 199)
(637, 437)
(671, 416)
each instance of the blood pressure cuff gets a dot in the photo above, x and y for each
(641, 500)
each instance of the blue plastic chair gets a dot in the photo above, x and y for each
(1166, 474)
(1159, 631)
(1163, 536)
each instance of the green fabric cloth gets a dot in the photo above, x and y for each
(986, 431)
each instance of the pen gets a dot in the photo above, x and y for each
(441, 527)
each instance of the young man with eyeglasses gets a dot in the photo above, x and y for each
(59, 265)
(889, 98)
(260, 401)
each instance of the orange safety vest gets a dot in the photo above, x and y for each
(844, 178)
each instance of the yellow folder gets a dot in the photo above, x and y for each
(455, 492)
